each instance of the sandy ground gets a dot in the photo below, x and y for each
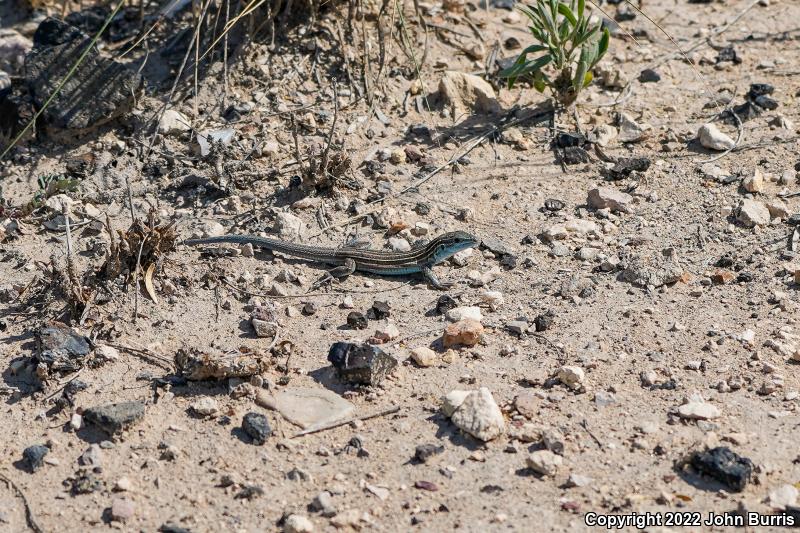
(698, 336)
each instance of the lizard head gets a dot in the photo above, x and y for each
(451, 243)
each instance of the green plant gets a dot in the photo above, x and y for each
(572, 46)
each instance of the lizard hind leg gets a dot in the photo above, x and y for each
(340, 272)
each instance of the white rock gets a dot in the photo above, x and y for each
(399, 244)
(205, 406)
(206, 138)
(698, 410)
(783, 496)
(423, 356)
(106, 352)
(713, 139)
(608, 198)
(630, 131)
(752, 213)
(480, 416)
(494, 299)
(76, 422)
(544, 462)
(206, 228)
(462, 258)
(571, 376)
(453, 400)
(577, 480)
(466, 93)
(754, 183)
(296, 523)
(460, 313)
(555, 233)
(173, 122)
(580, 226)
(289, 226)
(603, 135)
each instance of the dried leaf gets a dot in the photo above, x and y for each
(148, 282)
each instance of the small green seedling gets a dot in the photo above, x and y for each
(571, 45)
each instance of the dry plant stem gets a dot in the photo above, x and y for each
(329, 141)
(166, 104)
(333, 425)
(136, 277)
(161, 360)
(29, 519)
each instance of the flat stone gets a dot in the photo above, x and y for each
(122, 509)
(206, 406)
(99, 91)
(696, 410)
(783, 497)
(360, 363)
(461, 313)
(173, 121)
(480, 416)
(630, 131)
(115, 417)
(309, 408)
(527, 404)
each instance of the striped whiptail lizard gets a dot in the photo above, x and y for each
(347, 260)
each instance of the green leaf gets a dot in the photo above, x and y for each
(588, 79)
(581, 6)
(603, 44)
(580, 74)
(547, 19)
(568, 14)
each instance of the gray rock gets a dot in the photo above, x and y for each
(656, 273)
(544, 462)
(257, 427)
(710, 137)
(34, 456)
(61, 348)
(466, 93)
(205, 139)
(115, 417)
(361, 363)
(323, 503)
(99, 91)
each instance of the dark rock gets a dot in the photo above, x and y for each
(744, 277)
(575, 155)
(446, 302)
(380, 310)
(760, 89)
(80, 166)
(249, 492)
(357, 320)
(172, 528)
(99, 91)
(649, 75)
(257, 427)
(34, 456)
(551, 204)
(61, 348)
(728, 54)
(422, 209)
(85, 482)
(360, 363)
(794, 220)
(725, 466)
(115, 417)
(746, 111)
(765, 102)
(627, 165)
(544, 321)
(426, 485)
(423, 452)
(309, 308)
(497, 247)
(566, 140)
(91, 19)
(5, 85)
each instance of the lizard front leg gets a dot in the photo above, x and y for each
(434, 281)
(340, 272)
